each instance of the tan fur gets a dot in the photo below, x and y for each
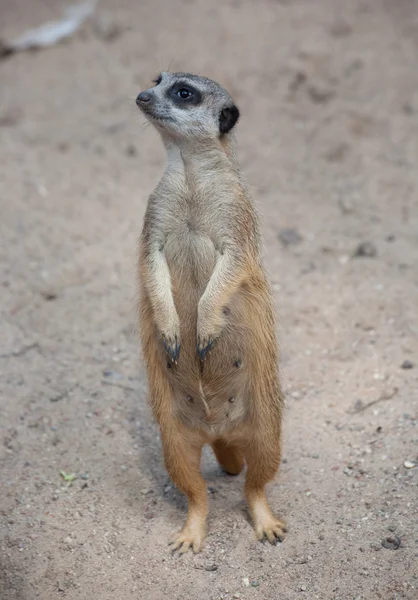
(201, 279)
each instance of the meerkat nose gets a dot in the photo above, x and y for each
(143, 97)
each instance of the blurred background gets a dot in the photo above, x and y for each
(328, 94)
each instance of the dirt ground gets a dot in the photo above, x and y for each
(328, 92)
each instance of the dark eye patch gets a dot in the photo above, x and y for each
(175, 93)
(158, 80)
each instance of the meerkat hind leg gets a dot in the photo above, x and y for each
(182, 460)
(229, 457)
(261, 470)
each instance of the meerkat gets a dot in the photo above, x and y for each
(206, 315)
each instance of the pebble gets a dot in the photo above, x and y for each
(123, 468)
(70, 542)
(289, 237)
(106, 27)
(359, 404)
(131, 150)
(246, 581)
(391, 542)
(112, 373)
(84, 476)
(408, 464)
(302, 588)
(407, 364)
(365, 249)
(255, 583)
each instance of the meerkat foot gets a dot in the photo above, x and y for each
(266, 524)
(172, 347)
(190, 537)
(273, 530)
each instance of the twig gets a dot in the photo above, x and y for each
(383, 396)
(63, 394)
(120, 385)
(22, 351)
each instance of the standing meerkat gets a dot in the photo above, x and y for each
(206, 315)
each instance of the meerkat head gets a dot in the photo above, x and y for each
(182, 106)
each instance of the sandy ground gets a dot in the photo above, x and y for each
(328, 92)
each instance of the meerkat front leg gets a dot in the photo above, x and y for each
(157, 281)
(224, 282)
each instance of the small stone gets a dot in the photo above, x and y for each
(145, 491)
(289, 237)
(359, 404)
(246, 581)
(84, 476)
(131, 150)
(315, 455)
(211, 567)
(391, 542)
(113, 374)
(320, 95)
(408, 464)
(255, 583)
(106, 27)
(365, 249)
(49, 295)
(302, 588)
(340, 29)
(123, 468)
(407, 364)
(70, 542)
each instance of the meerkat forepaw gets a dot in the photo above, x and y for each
(171, 346)
(203, 346)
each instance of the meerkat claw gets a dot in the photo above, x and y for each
(172, 347)
(203, 347)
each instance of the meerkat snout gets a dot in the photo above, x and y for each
(143, 97)
(188, 106)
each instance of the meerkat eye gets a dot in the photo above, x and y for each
(184, 93)
(158, 80)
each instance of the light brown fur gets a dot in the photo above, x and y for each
(202, 281)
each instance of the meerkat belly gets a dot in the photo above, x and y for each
(214, 396)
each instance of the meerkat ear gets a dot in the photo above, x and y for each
(227, 118)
